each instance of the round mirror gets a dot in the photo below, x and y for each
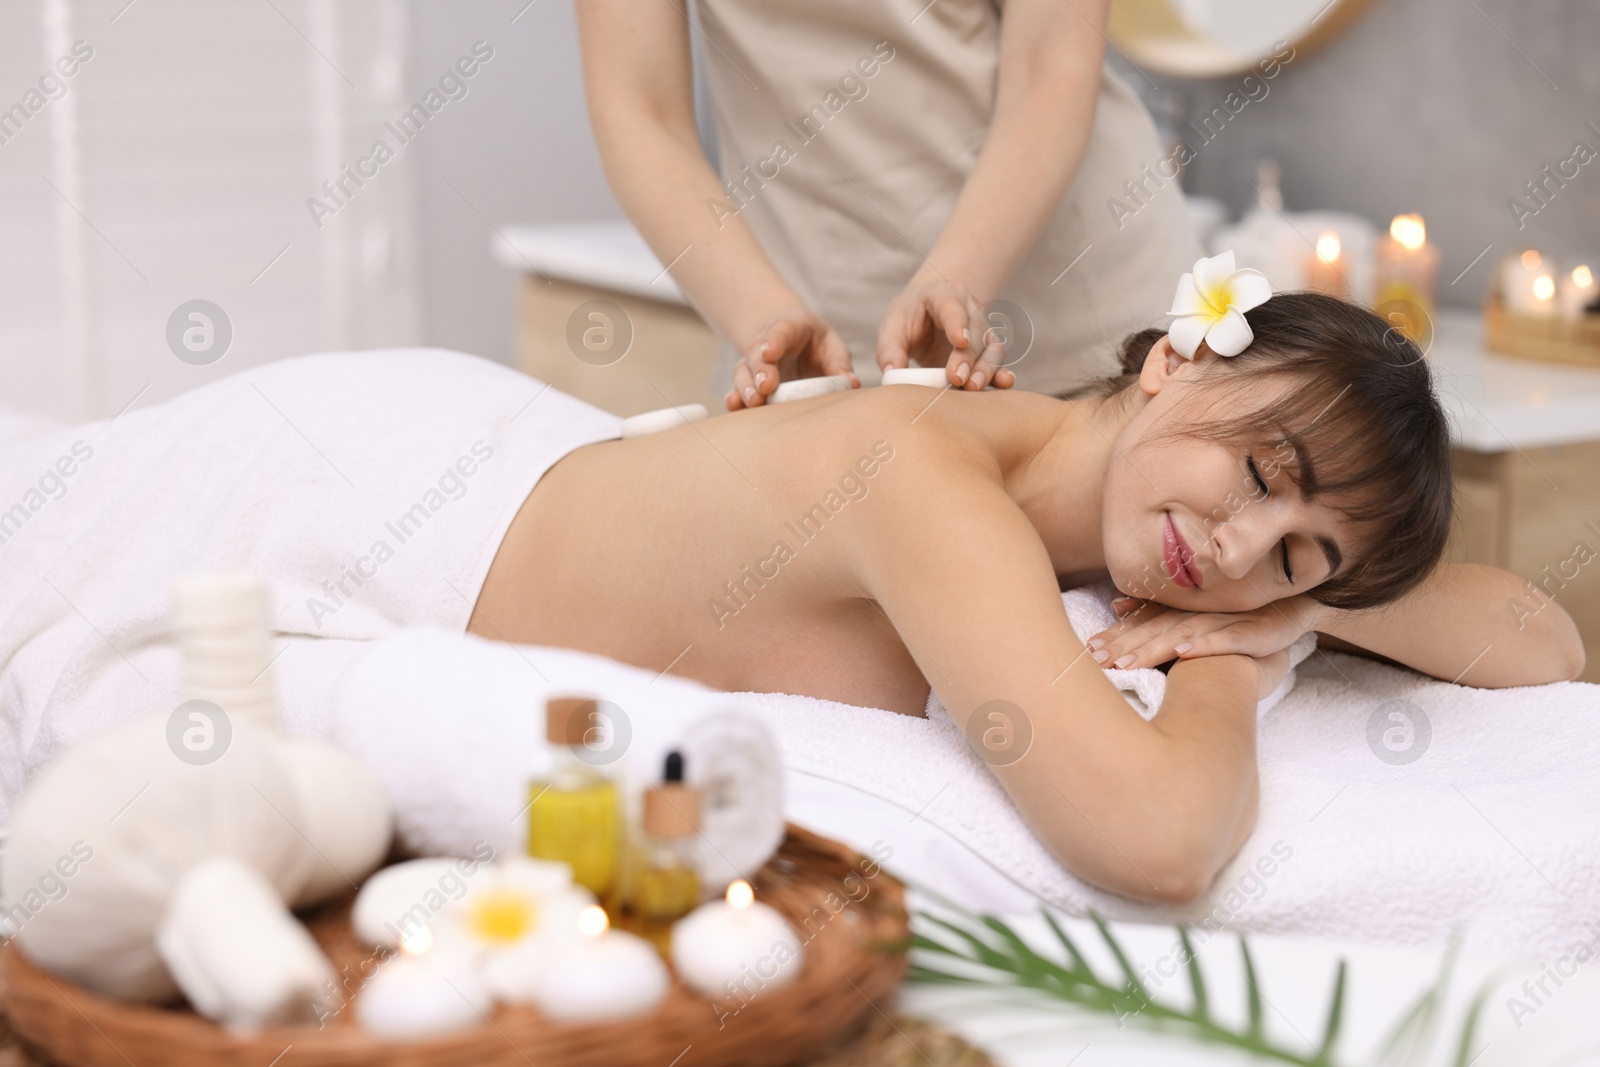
(1214, 38)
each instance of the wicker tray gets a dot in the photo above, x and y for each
(854, 956)
(1548, 338)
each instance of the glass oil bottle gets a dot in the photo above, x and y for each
(575, 812)
(665, 881)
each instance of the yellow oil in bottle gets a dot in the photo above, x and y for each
(661, 895)
(665, 892)
(578, 823)
(663, 881)
(575, 813)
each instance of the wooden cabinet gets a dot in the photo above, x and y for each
(668, 362)
(1536, 513)
(598, 317)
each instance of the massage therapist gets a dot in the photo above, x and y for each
(888, 167)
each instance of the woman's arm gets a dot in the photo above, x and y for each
(1151, 810)
(1468, 623)
(638, 81)
(1045, 100)
(1471, 624)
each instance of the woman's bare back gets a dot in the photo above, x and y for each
(730, 551)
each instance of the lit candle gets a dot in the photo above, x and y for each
(1325, 270)
(602, 974)
(735, 946)
(1544, 295)
(1578, 291)
(1518, 275)
(420, 991)
(1407, 272)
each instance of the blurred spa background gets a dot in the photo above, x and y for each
(1432, 158)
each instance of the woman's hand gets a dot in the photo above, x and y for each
(939, 322)
(792, 344)
(1148, 633)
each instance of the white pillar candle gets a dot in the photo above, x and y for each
(421, 992)
(1520, 283)
(604, 974)
(1325, 268)
(736, 945)
(1578, 291)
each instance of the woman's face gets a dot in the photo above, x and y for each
(1204, 526)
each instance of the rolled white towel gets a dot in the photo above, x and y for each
(734, 759)
(453, 726)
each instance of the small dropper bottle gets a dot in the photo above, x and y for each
(666, 881)
(574, 812)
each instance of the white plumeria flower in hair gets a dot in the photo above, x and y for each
(1210, 306)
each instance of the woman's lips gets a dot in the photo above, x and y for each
(1180, 556)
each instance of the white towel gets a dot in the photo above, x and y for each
(1090, 612)
(1493, 828)
(298, 470)
(453, 726)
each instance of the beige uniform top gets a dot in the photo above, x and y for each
(847, 129)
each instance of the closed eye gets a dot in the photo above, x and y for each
(1251, 463)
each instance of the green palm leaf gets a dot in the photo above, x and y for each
(987, 952)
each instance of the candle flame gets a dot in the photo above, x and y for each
(417, 940)
(593, 921)
(1328, 246)
(740, 895)
(1409, 231)
(1544, 287)
(1582, 276)
(1531, 259)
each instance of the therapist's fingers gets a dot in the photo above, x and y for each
(989, 349)
(755, 376)
(783, 338)
(744, 393)
(952, 310)
(797, 346)
(901, 333)
(833, 357)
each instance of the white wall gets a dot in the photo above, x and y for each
(519, 151)
(177, 166)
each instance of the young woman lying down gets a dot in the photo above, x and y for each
(862, 547)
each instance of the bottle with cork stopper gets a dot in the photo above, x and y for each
(665, 882)
(575, 811)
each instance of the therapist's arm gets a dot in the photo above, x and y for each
(1045, 100)
(638, 81)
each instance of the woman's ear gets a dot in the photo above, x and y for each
(1161, 365)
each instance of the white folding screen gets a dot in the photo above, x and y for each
(160, 152)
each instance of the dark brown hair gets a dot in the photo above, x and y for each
(1368, 430)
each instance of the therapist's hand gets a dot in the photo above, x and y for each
(938, 323)
(792, 344)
